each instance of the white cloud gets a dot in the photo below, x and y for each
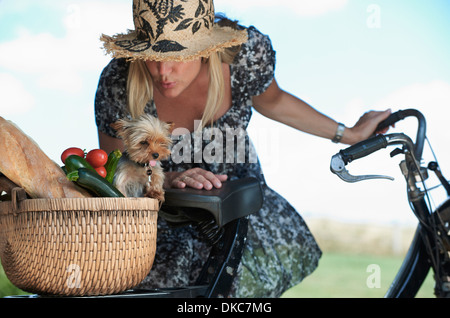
(15, 99)
(55, 61)
(67, 81)
(433, 100)
(432, 97)
(60, 61)
(305, 8)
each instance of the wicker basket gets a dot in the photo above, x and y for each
(77, 247)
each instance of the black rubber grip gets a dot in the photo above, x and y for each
(363, 148)
(392, 119)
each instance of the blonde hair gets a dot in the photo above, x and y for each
(140, 88)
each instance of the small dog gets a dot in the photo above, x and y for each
(147, 141)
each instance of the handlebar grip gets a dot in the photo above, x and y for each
(391, 120)
(363, 148)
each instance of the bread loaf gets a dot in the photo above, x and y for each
(24, 163)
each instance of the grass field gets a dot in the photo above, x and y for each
(342, 275)
(6, 288)
(353, 254)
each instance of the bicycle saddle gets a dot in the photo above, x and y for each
(236, 199)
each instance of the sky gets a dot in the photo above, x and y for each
(343, 57)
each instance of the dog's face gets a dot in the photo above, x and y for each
(145, 139)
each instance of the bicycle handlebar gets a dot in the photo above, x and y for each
(369, 146)
(421, 130)
(378, 142)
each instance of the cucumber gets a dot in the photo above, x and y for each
(74, 162)
(111, 164)
(93, 182)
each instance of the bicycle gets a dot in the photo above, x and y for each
(430, 246)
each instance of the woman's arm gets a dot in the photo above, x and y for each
(108, 143)
(285, 108)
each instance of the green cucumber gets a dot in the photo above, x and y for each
(111, 164)
(92, 181)
(74, 162)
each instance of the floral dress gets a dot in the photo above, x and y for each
(280, 250)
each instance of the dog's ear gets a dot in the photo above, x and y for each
(118, 125)
(170, 126)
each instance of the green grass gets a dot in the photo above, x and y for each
(345, 276)
(6, 288)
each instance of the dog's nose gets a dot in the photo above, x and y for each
(155, 155)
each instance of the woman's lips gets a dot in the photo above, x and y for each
(167, 85)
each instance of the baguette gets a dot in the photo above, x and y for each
(24, 163)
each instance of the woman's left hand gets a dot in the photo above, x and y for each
(196, 178)
(367, 124)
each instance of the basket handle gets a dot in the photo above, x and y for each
(17, 194)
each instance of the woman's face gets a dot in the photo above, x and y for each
(172, 78)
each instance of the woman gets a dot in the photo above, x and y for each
(205, 76)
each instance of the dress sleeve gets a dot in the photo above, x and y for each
(255, 63)
(111, 96)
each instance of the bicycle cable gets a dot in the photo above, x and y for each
(434, 259)
(432, 228)
(436, 160)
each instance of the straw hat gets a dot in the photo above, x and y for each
(173, 30)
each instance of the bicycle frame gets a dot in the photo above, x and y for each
(430, 245)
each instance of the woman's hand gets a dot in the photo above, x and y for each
(196, 178)
(366, 125)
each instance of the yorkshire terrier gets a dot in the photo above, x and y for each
(147, 141)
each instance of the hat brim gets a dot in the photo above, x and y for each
(131, 47)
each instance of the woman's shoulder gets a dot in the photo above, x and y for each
(111, 94)
(254, 65)
(116, 67)
(256, 36)
(257, 48)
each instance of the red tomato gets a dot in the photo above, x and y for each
(97, 158)
(101, 171)
(71, 151)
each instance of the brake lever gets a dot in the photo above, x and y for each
(337, 166)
